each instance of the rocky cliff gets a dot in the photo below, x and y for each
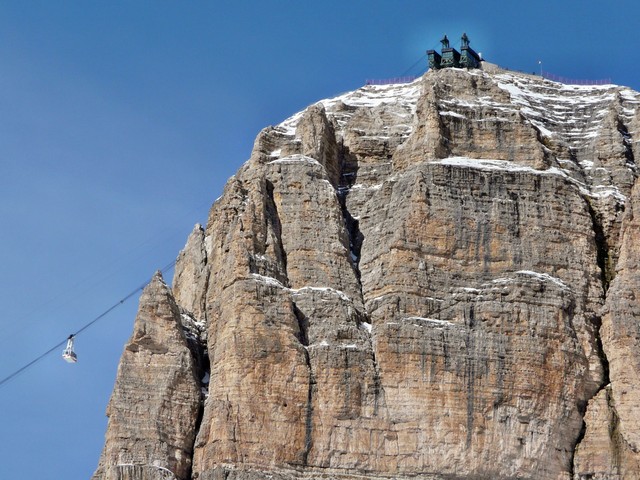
(434, 280)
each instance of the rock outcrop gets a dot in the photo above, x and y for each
(433, 280)
(154, 409)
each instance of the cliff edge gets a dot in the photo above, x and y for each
(433, 280)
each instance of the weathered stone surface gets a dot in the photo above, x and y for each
(470, 115)
(615, 430)
(191, 276)
(153, 411)
(620, 328)
(471, 317)
(604, 454)
(315, 138)
(408, 281)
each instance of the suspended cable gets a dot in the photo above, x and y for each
(13, 375)
(422, 57)
(25, 317)
(31, 363)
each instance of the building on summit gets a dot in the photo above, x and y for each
(466, 58)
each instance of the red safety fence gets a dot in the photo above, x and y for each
(573, 81)
(390, 81)
(547, 75)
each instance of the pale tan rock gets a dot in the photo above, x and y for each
(620, 339)
(315, 138)
(191, 275)
(604, 454)
(154, 407)
(468, 114)
(484, 312)
(408, 281)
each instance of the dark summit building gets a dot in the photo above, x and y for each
(466, 58)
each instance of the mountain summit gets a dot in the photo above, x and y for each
(434, 280)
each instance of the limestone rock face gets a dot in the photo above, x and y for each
(432, 280)
(613, 432)
(604, 453)
(191, 276)
(154, 407)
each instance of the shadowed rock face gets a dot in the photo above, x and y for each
(432, 280)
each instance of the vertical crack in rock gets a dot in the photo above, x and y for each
(274, 226)
(303, 324)
(582, 408)
(204, 387)
(606, 453)
(626, 141)
(603, 357)
(603, 258)
(610, 447)
(349, 173)
(195, 334)
(607, 270)
(355, 235)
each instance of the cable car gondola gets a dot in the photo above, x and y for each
(69, 355)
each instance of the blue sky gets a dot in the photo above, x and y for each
(121, 121)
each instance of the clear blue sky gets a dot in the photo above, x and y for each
(121, 121)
